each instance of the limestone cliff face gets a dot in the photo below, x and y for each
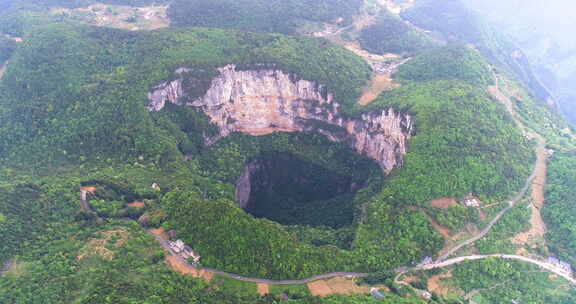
(259, 102)
(244, 184)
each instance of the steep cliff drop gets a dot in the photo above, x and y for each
(267, 100)
(289, 190)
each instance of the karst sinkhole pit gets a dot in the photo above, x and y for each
(289, 190)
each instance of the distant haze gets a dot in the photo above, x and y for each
(545, 30)
(554, 18)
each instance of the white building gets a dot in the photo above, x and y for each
(184, 251)
(470, 201)
(566, 267)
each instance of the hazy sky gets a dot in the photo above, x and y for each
(556, 18)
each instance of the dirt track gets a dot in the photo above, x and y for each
(502, 92)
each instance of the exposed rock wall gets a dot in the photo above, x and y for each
(259, 102)
(244, 184)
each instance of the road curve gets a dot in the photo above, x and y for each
(540, 146)
(542, 264)
(511, 203)
(165, 245)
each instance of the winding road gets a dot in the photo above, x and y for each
(541, 146)
(545, 265)
(167, 248)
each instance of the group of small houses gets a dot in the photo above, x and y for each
(563, 266)
(470, 201)
(184, 251)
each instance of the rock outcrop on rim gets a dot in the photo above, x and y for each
(263, 101)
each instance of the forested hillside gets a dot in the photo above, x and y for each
(260, 15)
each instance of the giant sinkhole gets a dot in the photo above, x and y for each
(289, 185)
(291, 190)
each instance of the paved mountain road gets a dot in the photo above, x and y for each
(548, 266)
(165, 245)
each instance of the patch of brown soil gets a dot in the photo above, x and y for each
(378, 84)
(99, 246)
(444, 231)
(263, 289)
(319, 288)
(356, 49)
(537, 225)
(160, 232)
(338, 285)
(411, 279)
(443, 202)
(345, 286)
(89, 189)
(137, 205)
(435, 285)
(363, 21)
(178, 264)
(183, 268)
(502, 91)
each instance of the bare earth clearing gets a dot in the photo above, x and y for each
(177, 263)
(319, 288)
(384, 65)
(378, 84)
(99, 246)
(502, 92)
(263, 289)
(444, 202)
(338, 285)
(443, 230)
(436, 285)
(136, 204)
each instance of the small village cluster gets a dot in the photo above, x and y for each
(426, 261)
(566, 267)
(184, 251)
(470, 201)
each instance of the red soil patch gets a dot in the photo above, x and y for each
(444, 202)
(319, 289)
(89, 189)
(537, 225)
(263, 289)
(444, 231)
(182, 268)
(160, 232)
(177, 264)
(437, 286)
(137, 204)
(378, 84)
(339, 285)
